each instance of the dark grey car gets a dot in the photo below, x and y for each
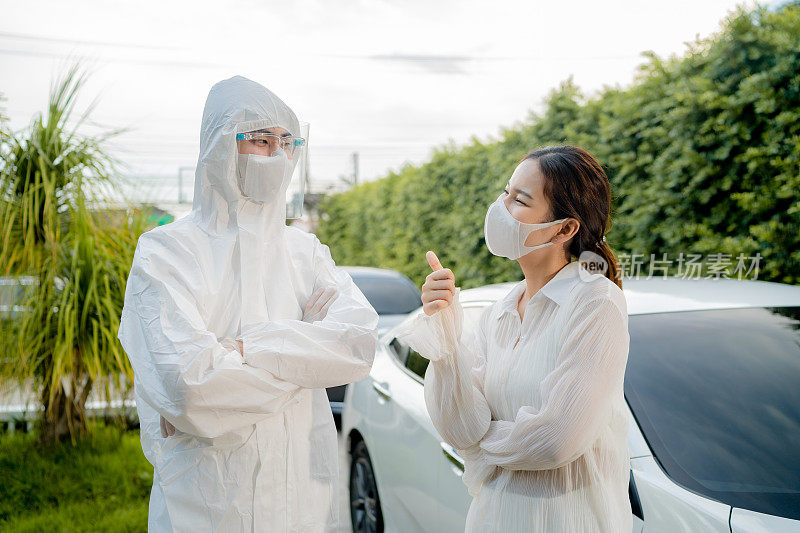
(392, 295)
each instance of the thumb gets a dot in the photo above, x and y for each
(433, 261)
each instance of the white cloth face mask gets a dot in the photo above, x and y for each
(506, 236)
(263, 178)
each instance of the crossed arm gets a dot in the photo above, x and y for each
(316, 309)
(207, 387)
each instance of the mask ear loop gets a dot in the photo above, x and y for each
(528, 249)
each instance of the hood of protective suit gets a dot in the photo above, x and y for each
(239, 105)
(235, 105)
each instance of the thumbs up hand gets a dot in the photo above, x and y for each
(439, 287)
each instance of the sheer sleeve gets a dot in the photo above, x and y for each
(576, 396)
(334, 351)
(454, 378)
(181, 369)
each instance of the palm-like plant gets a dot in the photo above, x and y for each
(56, 227)
(40, 172)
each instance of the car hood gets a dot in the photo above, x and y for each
(387, 322)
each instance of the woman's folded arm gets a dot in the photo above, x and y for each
(576, 397)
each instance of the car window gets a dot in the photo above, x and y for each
(418, 364)
(11, 293)
(717, 396)
(399, 350)
(389, 295)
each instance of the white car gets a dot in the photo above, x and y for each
(713, 390)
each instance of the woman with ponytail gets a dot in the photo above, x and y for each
(534, 400)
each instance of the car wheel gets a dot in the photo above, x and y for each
(365, 506)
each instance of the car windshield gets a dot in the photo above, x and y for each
(717, 395)
(389, 295)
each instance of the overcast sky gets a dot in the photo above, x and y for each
(388, 79)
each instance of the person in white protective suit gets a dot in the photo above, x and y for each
(234, 324)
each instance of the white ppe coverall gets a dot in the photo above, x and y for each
(255, 447)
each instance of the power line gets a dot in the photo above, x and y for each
(58, 40)
(184, 64)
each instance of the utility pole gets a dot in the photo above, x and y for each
(181, 170)
(355, 169)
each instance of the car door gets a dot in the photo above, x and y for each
(404, 444)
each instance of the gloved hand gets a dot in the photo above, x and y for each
(167, 429)
(319, 303)
(233, 345)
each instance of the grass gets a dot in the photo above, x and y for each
(100, 484)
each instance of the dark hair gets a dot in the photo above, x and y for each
(578, 188)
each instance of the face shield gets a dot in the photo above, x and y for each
(272, 160)
(297, 185)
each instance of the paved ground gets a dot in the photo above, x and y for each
(344, 492)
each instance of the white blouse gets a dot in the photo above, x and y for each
(536, 407)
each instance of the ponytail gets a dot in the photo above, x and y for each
(612, 269)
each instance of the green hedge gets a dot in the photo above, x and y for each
(703, 153)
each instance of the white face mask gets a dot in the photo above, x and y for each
(506, 236)
(263, 178)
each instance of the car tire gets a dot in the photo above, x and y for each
(365, 506)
